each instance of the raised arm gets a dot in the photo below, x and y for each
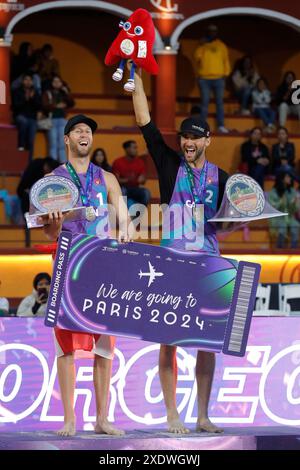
(158, 149)
(140, 103)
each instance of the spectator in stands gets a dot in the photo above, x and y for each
(35, 303)
(12, 207)
(261, 102)
(131, 174)
(23, 63)
(213, 67)
(26, 104)
(283, 152)
(37, 169)
(283, 98)
(48, 66)
(4, 306)
(99, 158)
(56, 101)
(256, 155)
(284, 198)
(244, 78)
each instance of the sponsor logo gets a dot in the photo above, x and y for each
(11, 5)
(166, 6)
(167, 10)
(244, 393)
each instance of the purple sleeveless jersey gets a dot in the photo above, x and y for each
(179, 228)
(98, 199)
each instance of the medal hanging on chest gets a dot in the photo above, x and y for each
(90, 214)
(198, 213)
(85, 193)
(197, 193)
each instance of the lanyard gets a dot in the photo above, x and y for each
(198, 193)
(84, 193)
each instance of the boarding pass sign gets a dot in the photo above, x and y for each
(152, 293)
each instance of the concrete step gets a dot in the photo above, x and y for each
(109, 119)
(9, 181)
(11, 160)
(12, 236)
(153, 186)
(110, 141)
(124, 103)
(224, 150)
(258, 235)
(3, 218)
(240, 246)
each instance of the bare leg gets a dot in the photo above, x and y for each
(102, 373)
(168, 380)
(205, 368)
(66, 378)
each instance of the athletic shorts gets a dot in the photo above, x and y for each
(67, 342)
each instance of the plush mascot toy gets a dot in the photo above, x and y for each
(134, 42)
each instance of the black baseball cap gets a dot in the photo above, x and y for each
(196, 126)
(77, 120)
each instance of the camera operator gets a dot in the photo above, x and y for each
(34, 305)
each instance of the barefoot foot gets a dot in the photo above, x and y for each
(175, 426)
(104, 427)
(207, 426)
(69, 429)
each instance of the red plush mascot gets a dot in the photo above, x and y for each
(134, 42)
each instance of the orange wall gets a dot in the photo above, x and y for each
(271, 64)
(274, 46)
(79, 66)
(86, 73)
(26, 267)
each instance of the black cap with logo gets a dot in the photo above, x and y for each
(196, 126)
(78, 119)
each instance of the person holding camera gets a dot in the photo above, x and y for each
(34, 305)
(4, 306)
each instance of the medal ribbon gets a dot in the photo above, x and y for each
(84, 193)
(197, 193)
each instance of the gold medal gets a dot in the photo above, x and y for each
(90, 214)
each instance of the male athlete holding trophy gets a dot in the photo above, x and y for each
(194, 187)
(97, 189)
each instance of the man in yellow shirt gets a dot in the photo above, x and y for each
(212, 67)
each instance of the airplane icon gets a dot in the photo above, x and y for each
(152, 274)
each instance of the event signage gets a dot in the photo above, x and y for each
(152, 293)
